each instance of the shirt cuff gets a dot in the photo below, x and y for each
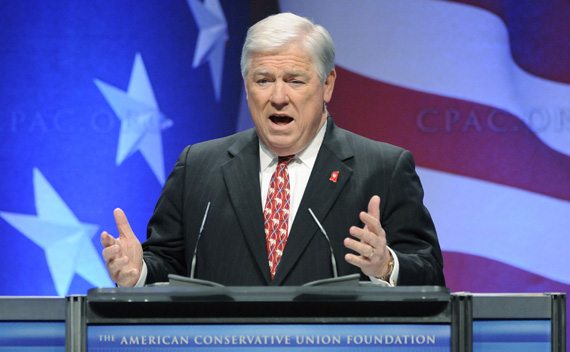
(142, 278)
(393, 279)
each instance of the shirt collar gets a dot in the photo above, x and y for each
(307, 156)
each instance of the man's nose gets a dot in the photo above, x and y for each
(279, 96)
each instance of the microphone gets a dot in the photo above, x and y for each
(335, 280)
(178, 280)
(333, 260)
(193, 266)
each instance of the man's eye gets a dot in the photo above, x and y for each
(262, 81)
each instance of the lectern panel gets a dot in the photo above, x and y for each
(512, 336)
(270, 337)
(25, 336)
(32, 324)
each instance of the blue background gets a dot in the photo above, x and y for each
(54, 118)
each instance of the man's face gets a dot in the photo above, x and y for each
(286, 99)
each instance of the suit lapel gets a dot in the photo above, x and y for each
(320, 195)
(241, 175)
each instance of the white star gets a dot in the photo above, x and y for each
(65, 240)
(212, 38)
(141, 120)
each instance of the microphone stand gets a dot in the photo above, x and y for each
(336, 280)
(178, 280)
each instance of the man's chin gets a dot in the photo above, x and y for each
(282, 148)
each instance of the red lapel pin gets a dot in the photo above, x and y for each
(334, 176)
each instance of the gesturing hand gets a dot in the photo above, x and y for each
(123, 255)
(374, 256)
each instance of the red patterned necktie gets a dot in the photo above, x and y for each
(276, 213)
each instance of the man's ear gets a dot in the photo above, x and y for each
(329, 85)
(245, 86)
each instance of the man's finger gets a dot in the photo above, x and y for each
(106, 239)
(124, 276)
(117, 264)
(366, 237)
(123, 225)
(371, 223)
(354, 260)
(361, 262)
(112, 252)
(357, 246)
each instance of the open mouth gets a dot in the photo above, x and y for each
(280, 119)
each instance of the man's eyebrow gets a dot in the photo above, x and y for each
(297, 74)
(262, 72)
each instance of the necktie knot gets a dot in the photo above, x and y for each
(285, 159)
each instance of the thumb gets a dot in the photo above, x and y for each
(125, 230)
(374, 207)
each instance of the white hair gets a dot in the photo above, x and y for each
(276, 32)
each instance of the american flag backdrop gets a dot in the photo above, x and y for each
(479, 91)
(97, 99)
(489, 126)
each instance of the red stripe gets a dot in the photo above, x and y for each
(451, 135)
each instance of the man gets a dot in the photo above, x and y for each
(264, 194)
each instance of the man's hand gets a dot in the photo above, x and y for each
(374, 256)
(123, 255)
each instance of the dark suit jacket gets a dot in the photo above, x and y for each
(232, 249)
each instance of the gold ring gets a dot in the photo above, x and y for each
(371, 254)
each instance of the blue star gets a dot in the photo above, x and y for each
(212, 38)
(65, 240)
(141, 120)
